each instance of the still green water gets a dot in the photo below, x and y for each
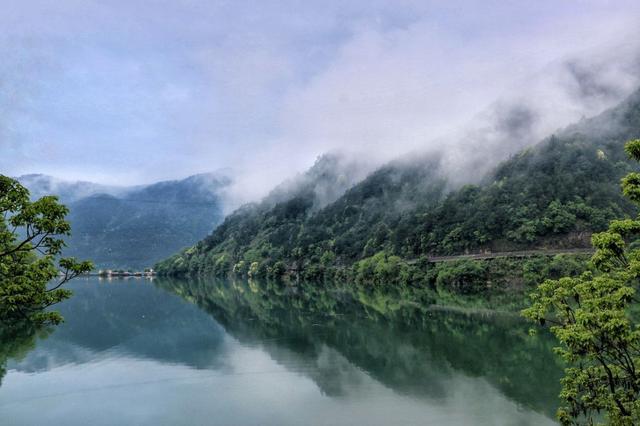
(178, 352)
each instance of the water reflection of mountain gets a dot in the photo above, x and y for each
(331, 335)
(125, 318)
(406, 347)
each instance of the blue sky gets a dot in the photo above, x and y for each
(127, 91)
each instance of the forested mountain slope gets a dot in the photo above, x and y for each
(265, 230)
(553, 194)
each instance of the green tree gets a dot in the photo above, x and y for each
(30, 249)
(592, 317)
(278, 269)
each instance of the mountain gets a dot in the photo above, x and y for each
(134, 227)
(40, 185)
(271, 223)
(553, 194)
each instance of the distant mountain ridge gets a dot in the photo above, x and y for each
(134, 227)
(67, 191)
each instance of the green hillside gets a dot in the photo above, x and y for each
(553, 194)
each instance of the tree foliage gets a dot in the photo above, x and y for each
(592, 317)
(30, 249)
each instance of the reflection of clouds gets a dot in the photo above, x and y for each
(164, 369)
(53, 354)
(106, 320)
(257, 390)
(336, 376)
(248, 84)
(413, 352)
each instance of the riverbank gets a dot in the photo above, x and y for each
(501, 283)
(108, 273)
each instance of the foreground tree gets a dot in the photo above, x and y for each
(30, 248)
(595, 318)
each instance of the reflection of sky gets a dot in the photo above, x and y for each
(128, 319)
(254, 390)
(169, 363)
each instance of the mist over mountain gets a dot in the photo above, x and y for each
(67, 191)
(134, 227)
(553, 194)
(328, 179)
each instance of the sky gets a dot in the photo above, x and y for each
(132, 91)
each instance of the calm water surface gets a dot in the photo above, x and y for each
(236, 353)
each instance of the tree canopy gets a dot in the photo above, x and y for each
(32, 271)
(593, 318)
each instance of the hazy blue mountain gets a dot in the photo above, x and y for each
(133, 227)
(68, 191)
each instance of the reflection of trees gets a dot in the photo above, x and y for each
(323, 330)
(17, 340)
(399, 342)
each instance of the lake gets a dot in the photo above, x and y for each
(212, 352)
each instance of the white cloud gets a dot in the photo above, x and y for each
(138, 91)
(389, 92)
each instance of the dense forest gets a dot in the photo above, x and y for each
(553, 194)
